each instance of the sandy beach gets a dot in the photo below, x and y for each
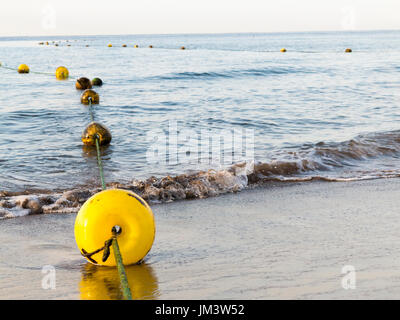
(283, 241)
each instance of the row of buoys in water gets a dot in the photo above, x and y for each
(137, 46)
(110, 208)
(347, 50)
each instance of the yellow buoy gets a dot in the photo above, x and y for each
(94, 130)
(90, 94)
(109, 45)
(62, 73)
(136, 46)
(150, 46)
(110, 208)
(23, 68)
(283, 50)
(348, 50)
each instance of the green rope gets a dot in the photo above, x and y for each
(99, 162)
(126, 291)
(103, 184)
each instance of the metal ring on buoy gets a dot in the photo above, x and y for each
(110, 208)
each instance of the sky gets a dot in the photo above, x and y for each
(89, 17)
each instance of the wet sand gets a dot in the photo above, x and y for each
(285, 241)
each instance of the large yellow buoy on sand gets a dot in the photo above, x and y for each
(96, 130)
(62, 73)
(23, 68)
(109, 45)
(348, 50)
(115, 207)
(283, 50)
(88, 95)
(136, 46)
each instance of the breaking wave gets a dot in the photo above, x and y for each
(356, 159)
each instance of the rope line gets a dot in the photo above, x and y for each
(35, 72)
(126, 291)
(97, 139)
(116, 230)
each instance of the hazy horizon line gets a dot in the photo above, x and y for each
(196, 33)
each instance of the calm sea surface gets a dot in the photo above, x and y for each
(314, 111)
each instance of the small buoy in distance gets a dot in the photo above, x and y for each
(109, 45)
(110, 208)
(124, 45)
(97, 82)
(87, 46)
(283, 50)
(23, 68)
(83, 84)
(96, 130)
(348, 50)
(56, 44)
(41, 43)
(183, 48)
(150, 46)
(62, 73)
(90, 94)
(136, 46)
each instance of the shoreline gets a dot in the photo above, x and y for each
(286, 242)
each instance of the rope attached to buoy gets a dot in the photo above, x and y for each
(116, 230)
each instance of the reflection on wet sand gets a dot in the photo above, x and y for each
(102, 283)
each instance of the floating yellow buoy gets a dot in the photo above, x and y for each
(136, 46)
(109, 45)
(47, 43)
(348, 50)
(23, 68)
(62, 73)
(96, 129)
(110, 208)
(83, 84)
(183, 48)
(283, 50)
(97, 82)
(90, 94)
